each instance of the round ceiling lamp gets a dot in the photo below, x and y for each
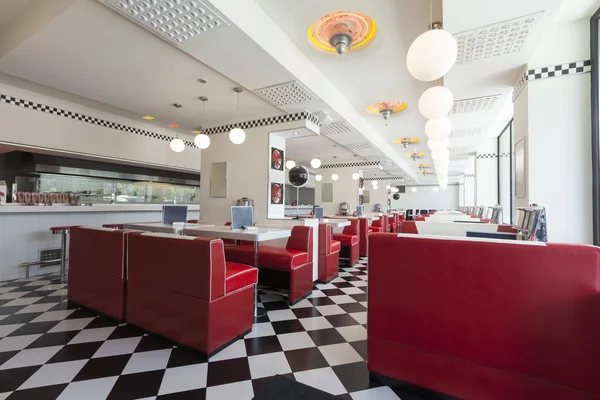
(342, 32)
(436, 189)
(335, 177)
(387, 108)
(436, 102)
(355, 176)
(202, 141)
(438, 128)
(319, 178)
(289, 164)
(177, 145)
(315, 163)
(438, 144)
(441, 155)
(431, 55)
(237, 135)
(413, 189)
(388, 186)
(375, 187)
(374, 183)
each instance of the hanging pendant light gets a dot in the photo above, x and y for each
(237, 135)
(335, 177)
(289, 164)
(438, 128)
(176, 144)
(355, 176)
(202, 140)
(315, 163)
(319, 178)
(436, 102)
(438, 144)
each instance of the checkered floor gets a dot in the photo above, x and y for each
(50, 350)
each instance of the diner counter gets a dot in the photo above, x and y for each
(21, 208)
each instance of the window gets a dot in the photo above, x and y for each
(505, 173)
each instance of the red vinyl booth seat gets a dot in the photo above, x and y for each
(363, 242)
(381, 225)
(479, 319)
(295, 260)
(349, 240)
(97, 270)
(329, 254)
(181, 288)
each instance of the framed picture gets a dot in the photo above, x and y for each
(276, 193)
(361, 183)
(520, 169)
(277, 159)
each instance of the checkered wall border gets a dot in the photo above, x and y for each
(280, 119)
(352, 164)
(469, 175)
(552, 71)
(487, 155)
(85, 118)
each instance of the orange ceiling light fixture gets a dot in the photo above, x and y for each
(405, 141)
(342, 32)
(174, 125)
(387, 108)
(423, 166)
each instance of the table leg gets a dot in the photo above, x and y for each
(62, 275)
(258, 312)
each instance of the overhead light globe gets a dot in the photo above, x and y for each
(413, 189)
(438, 128)
(443, 185)
(388, 186)
(319, 178)
(436, 189)
(440, 155)
(202, 141)
(436, 102)
(375, 187)
(289, 164)
(431, 55)
(315, 163)
(380, 167)
(237, 136)
(438, 144)
(177, 145)
(374, 183)
(335, 177)
(355, 176)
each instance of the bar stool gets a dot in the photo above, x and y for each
(64, 231)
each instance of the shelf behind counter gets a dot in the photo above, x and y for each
(96, 208)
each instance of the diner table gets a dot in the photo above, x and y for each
(253, 235)
(337, 223)
(159, 227)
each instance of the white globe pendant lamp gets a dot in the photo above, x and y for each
(202, 141)
(374, 183)
(438, 128)
(315, 163)
(388, 186)
(355, 176)
(335, 177)
(319, 178)
(177, 145)
(431, 55)
(440, 155)
(438, 144)
(436, 102)
(237, 135)
(289, 164)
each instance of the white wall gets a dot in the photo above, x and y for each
(426, 198)
(486, 173)
(470, 183)
(345, 189)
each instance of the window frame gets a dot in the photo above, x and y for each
(508, 128)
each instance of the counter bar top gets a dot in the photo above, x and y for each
(19, 208)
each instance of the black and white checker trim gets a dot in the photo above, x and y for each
(469, 175)
(552, 71)
(352, 164)
(487, 155)
(280, 119)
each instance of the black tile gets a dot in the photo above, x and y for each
(15, 283)
(352, 279)
(51, 299)
(198, 394)
(17, 318)
(181, 356)
(7, 355)
(353, 307)
(38, 293)
(361, 348)
(340, 285)
(332, 292)
(262, 345)
(135, 386)
(228, 371)
(355, 376)
(64, 305)
(102, 322)
(41, 393)
(306, 312)
(321, 301)
(103, 367)
(11, 379)
(82, 313)
(152, 342)
(53, 339)
(276, 305)
(126, 331)
(289, 326)
(262, 384)
(80, 351)
(305, 359)
(33, 328)
(341, 320)
(345, 396)
(323, 337)
(359, 297)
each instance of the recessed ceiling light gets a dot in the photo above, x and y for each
(148, 117)
(200, 80)
(295, 133)
(174, 125)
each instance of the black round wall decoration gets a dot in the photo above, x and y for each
(298, 176)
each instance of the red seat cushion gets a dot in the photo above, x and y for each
(335, 246)
(370, 231)
(243, 254)
(282, 259)
(377, 229)
(239, 276)
(345, 239)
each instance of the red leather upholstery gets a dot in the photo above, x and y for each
(395, 218)
(295, 259)
(380, 225)
(231, 242)
(349, 239)
(409, 227)
(420, 218)
(507, 229)
(486, 320)
(192, 221)
(181, 288)
(329, 254)
(97, 270)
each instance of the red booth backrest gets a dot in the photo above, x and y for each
(352, 229)
(190, 266)
(529, 308)
(98, 250)
(325, 233)
(301, 239)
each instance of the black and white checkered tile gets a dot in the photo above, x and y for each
(280, 119)
(487, 155)
(352, 164)
(50, 349)
(574, 68)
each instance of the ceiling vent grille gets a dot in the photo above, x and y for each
(376, 158)
(173, 20)
(336, 127)
(466, 133)
(358, 147)
(495, 40)
(475, 104)
(286, 94)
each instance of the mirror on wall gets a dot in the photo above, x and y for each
(218, 180)
(327, 193)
